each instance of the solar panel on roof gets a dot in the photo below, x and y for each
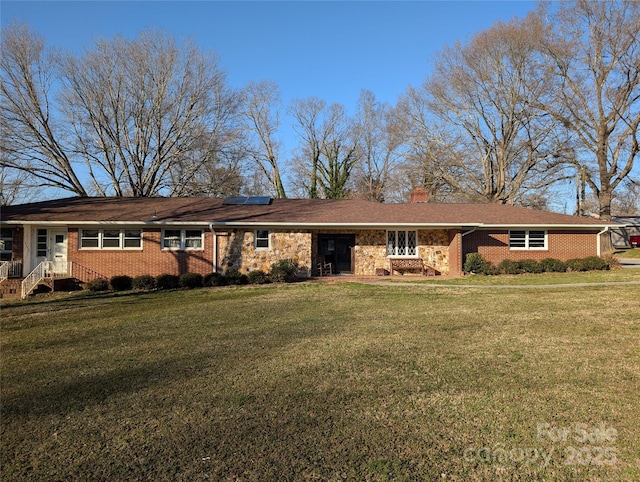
(234, 200)
(259, 200)
(253, 200)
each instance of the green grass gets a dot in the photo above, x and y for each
(628, 253)
(614, 276)
(321, 382)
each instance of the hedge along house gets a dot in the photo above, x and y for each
(85, 238)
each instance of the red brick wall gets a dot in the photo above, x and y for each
(150, 260)
(562, 245)
(455, 253)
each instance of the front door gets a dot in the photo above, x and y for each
(336, 249)
(58, 246)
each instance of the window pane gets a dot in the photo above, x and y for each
(517, 239)
(111, 238)
(132, 243)
(411, 243)
(132, 238)
(193, 239)
(171, 239)
(536, 239)
(42, 243)
(262, 239)
(89, 238)
(89, 243)
(110, 243)
(391, 243)
(402, 243)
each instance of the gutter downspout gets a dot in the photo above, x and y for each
(461, 255)
(215, 248)
(469, 232)
(598, 250)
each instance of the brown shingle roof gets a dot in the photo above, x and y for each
(291, 212)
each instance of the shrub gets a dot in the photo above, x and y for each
(552, 265)
(529, 266)
(144, 282)
(236, 278)
(284, 270)
(258, 277)
(214, 279)
(575, 264)
(167, 282)
(612, 261)
(508, 266)
(190, 281)
(489, 269)
(475, 263)
(121, 283)
(594, 263)
(98, 284)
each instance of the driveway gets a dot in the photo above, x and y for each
(629, 262)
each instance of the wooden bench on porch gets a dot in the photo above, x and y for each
(411, 264)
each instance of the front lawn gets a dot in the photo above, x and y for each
(323, 382)
(528, 279)
(628, 253)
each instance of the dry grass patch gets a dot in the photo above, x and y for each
(340, 382)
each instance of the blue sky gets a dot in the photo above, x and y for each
(331, 50)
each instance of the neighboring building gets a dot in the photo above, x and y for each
(623, 236)
(89, 237)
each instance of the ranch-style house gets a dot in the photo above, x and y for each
(85, 238)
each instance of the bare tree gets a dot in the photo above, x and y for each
(594, 56)
(314, 132)
(428, 152)
(379, 139)
(485, 93)
(261, 110)
(141, 107)
(136, 117)
(626, 201)
(33, 141)
(327, 152)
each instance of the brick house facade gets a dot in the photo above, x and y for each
(136, 236)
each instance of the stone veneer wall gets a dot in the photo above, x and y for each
(371, 250)
(433, 248)
(236, 250)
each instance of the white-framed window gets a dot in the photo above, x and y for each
(132, 239)
(193, 239)
(402, 243)
(527, 239)
(6, 244)
(261, 239)
(110, 239)
(41, 243)
(182, 239)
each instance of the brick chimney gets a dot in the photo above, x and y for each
(419, 195)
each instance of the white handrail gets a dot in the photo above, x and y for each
(42, 271)
(4, 270)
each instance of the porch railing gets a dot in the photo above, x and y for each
(10, 269)
(82, 273)
(4, 270)
(41, 272)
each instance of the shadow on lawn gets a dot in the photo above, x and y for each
(62, 397)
